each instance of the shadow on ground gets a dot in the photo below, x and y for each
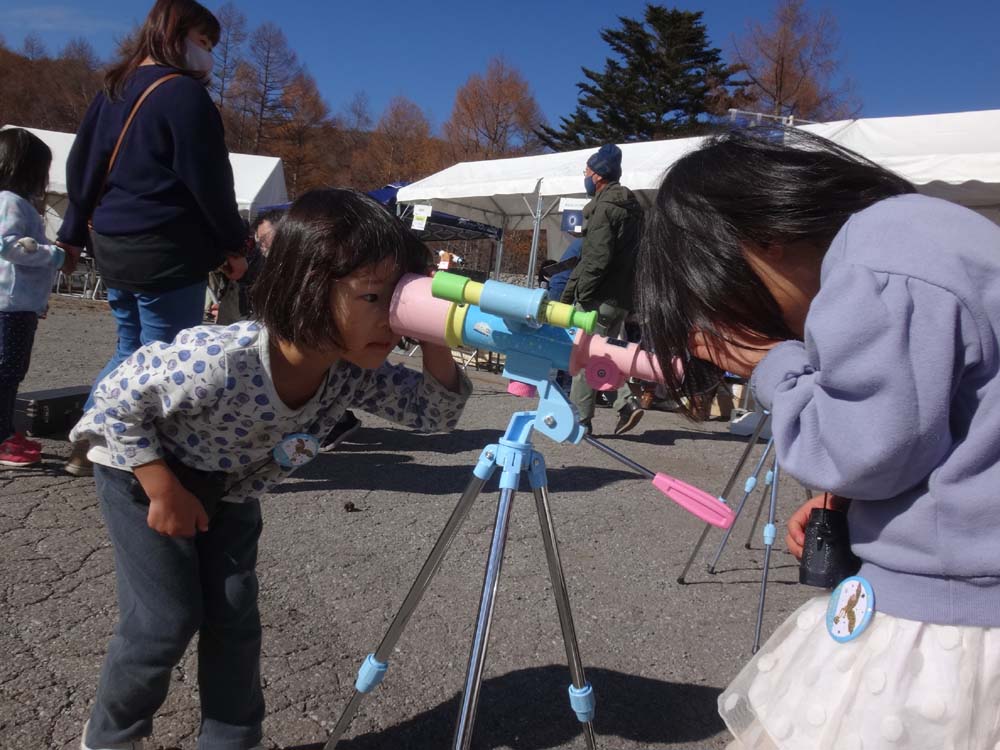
(529, 710)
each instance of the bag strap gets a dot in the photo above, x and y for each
(121, 137)
(131, 116)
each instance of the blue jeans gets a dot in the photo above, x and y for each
(144, 317)
(168, 590)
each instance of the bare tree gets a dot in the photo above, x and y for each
(494, 115)
(33, 47)
(229, 51)
(792, 63)
(274, 66)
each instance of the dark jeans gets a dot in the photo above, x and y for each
(142, 317)
(17, 336)
(168, 590)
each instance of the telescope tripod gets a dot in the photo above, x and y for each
(769, 493)
(515, 455)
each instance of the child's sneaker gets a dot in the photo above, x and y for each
(16, 455)
(30, 444)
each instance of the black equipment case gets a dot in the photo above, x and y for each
(50, 413)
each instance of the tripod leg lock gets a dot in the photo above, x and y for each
(582, 701)
(770, 532)
(370, 674)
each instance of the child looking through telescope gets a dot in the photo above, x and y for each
(187, 436)
(869, 319)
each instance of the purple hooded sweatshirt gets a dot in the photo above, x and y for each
(893, 399)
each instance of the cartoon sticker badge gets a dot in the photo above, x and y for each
(295, 450)
(850, 610)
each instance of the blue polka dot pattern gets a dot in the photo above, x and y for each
(207, 399)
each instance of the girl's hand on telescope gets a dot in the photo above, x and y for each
(738, 352)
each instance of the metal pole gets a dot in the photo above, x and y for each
(430, 567)
(769, 534)
(725, 493)
(561, 594)
(749, 487)
(537, 230)
(477, 658)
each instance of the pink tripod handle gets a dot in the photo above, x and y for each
(699, 503)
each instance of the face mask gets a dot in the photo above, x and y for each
(198, 58)
(589, 186)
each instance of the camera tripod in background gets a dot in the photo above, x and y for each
(769, 492)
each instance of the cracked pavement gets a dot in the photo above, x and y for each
(657, 653)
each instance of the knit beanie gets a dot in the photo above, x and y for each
(607, 162)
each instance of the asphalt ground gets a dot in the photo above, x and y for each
(658, 653)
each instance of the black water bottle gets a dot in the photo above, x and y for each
(826, 555)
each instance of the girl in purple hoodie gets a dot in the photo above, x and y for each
(869, 318)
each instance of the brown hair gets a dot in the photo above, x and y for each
(162, 38)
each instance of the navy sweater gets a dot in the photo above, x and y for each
(168, 214)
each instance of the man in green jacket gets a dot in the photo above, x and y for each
(603, 278)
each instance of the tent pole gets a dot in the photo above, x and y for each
(499, 261)
(537, 216)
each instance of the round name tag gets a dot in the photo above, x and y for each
(850, 610)
(295, 450)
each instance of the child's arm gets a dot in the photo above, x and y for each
(19, 232)
(417, 400)
(862, 407)
(26, 251)
(173, 510)
(439, 363)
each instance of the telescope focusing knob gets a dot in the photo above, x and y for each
(603, 374)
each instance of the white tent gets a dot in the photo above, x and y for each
(955, 156)
(524, 193)
(259, 180)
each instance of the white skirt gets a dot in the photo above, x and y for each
(900, 684)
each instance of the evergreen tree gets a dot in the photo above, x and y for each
(664, 82)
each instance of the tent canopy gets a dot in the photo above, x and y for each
(508, 189)
(259, 180)
(955, 156)
(524, 192)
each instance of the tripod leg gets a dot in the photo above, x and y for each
(725, 492)
(374, 667)
(477, 658)
(748, 488)
(768, 481)
(769, 534)
(581, 694)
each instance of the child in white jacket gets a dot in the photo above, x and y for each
(28, 267)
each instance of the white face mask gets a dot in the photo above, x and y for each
(198, 58)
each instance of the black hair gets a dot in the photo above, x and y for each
(738, 190)
(272, 215)
(24, 163)
(326, 235)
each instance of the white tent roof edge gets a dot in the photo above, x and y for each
(259, 180)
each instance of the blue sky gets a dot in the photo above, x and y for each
(914, 57)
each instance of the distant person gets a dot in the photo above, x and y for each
(264, 227)
(189, 436)
(558, 280)
(28, 269)
(165, 214)
(604, 277)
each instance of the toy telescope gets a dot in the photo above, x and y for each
(535, 334)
